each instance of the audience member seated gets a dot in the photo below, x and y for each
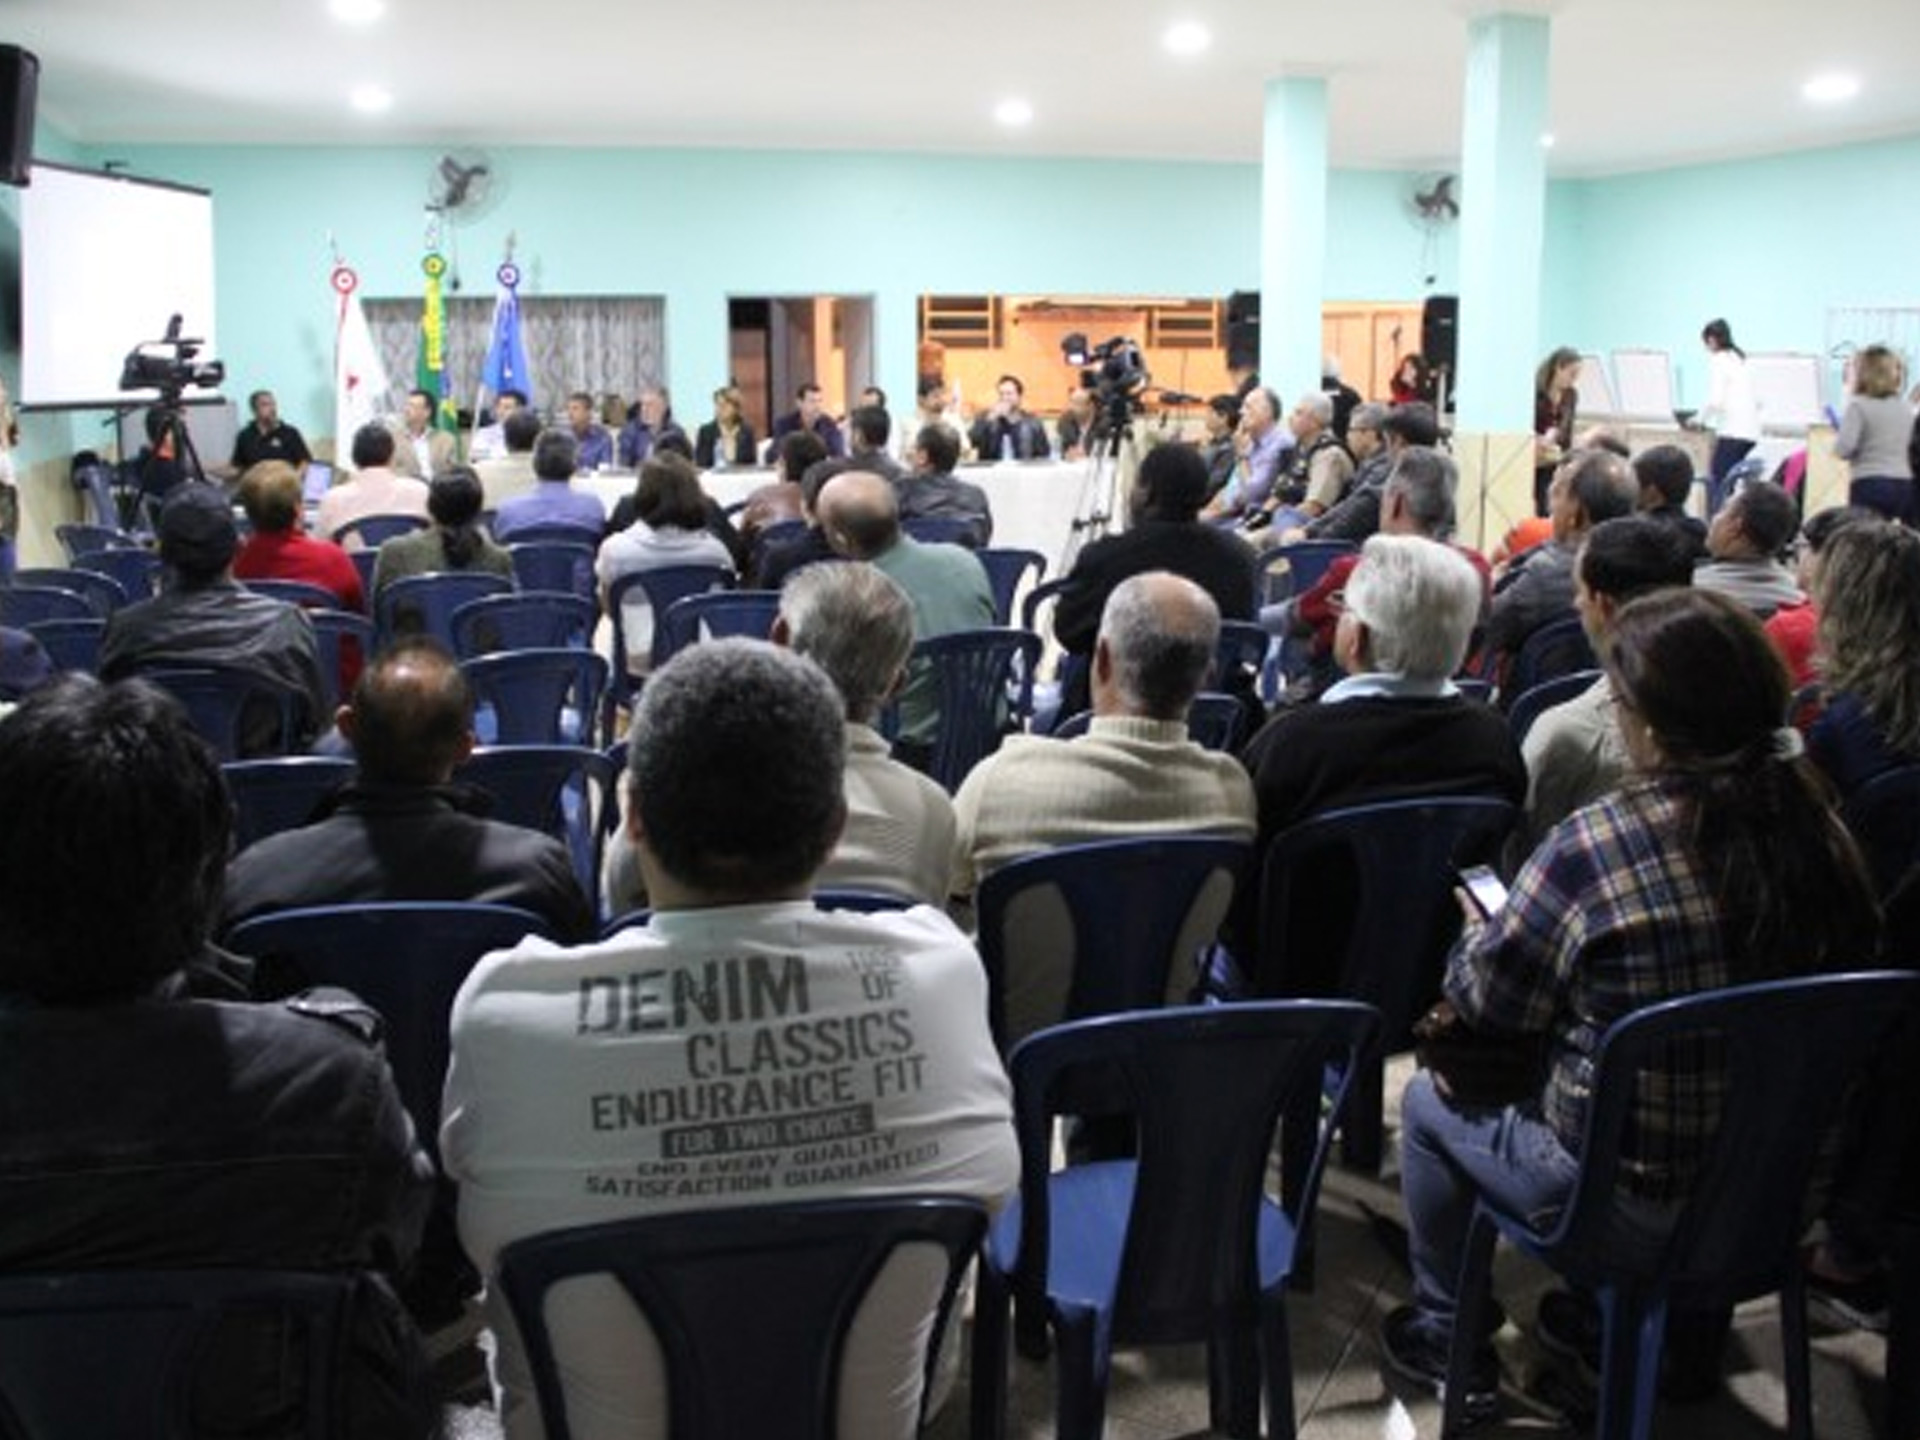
(1575, 752)
(1417, 500)
(374, 489)
(1222, 421)
(25, 667)
(1135, 772)
(1076, 431)
(869, 429)
(934, 405)
(727, 439)
(593, 442)
(1665, 473)
(509, 472)
(553, 500)
(1717, 864)
(456, 540)
(202, 616)
(421, 449)
(1262, 444)
(1744, 544)
(809, 417)
(1869, 653)
(1165, 534)
(403, 830)
(948, 587)
(490, 440)
(279, 550)
(1007, 431)
(1794, 628)
(857, 625)
(1395, 728)
(1357, 514)
(932, 490)
(669, 528)
(1537, 587)
(1313, 476)
(649, 421)
(153, 1120)
(781, 559)
(573, 1070)
(779, 500)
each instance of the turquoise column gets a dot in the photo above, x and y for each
(1502, 223)
(696, 346)
(1293, 236)
(896, 346)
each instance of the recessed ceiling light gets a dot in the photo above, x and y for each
(1187, 37)
(357, 12)
(1831, 89)
(1013, 112)
(370, 99)
(1546, 141)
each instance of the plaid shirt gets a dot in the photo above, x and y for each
(1611, 913)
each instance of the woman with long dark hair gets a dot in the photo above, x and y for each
(1718, 862)
(1731, 411)
(1555, 402)
(455, 541)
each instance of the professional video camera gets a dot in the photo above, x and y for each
(169, 365)
(1114, 372)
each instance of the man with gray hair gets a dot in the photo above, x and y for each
(740, 1017)
(1134, 772)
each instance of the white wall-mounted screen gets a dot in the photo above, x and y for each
(105, 261)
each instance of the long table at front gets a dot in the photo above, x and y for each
(1034, 503)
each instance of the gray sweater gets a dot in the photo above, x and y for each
(1873, 437)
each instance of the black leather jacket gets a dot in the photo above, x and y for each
(175, 1133)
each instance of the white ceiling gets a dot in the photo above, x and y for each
(1636, 83)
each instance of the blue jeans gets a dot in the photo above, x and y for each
(1451, 1157)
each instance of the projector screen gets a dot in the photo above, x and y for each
(105, 261)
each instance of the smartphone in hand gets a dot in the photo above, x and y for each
(1483, 888)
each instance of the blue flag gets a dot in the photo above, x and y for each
(505, 367)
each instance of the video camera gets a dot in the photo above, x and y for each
(1115, 373)
(169, 365)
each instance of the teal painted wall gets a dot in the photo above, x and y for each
(1647, 259)
(698, 226)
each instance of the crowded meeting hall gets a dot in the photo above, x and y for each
(1222, 744)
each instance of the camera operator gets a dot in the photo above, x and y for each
(1008, 432)
(1078, 426)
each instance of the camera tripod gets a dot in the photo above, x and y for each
(1094, 512)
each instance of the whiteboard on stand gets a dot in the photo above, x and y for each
(1646, 384)
(1596, 387)
(1786, 387)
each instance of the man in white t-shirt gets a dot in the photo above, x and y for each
(742, 1049)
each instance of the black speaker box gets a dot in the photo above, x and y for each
(1439, 330)
(1243, 307)
(19, 83)
(1243, 345)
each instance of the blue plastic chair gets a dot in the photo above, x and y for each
(940, 529)
(405, 960)
(25, 605)
(1241, 655)
(373, 531)
(1181, 1244)
(1883, 816)
(734, 1368)
(1559, 647)
(283, 793)
(1295, 569)
(537, 697)
(333, 632)
(424, 604)
(1383, 877)
(136, 571)
(983, 685)
(71, 644)
(563, 567)
(723, 612)
(1529, 706)
(661, 588)
(78, 539)
(1006, 571)
(553, 533)
(103, 592)
(295, 592)
(364, 562)
(1099, 928)
(115, 1352)
(524, 620)
(1213, 722)
(565, 791)
(230, 709)
(1790, 1051)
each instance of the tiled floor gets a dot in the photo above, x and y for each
(1339, 1390)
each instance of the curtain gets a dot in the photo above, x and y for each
(612, 346)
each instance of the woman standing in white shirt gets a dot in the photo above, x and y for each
(1731, 411)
